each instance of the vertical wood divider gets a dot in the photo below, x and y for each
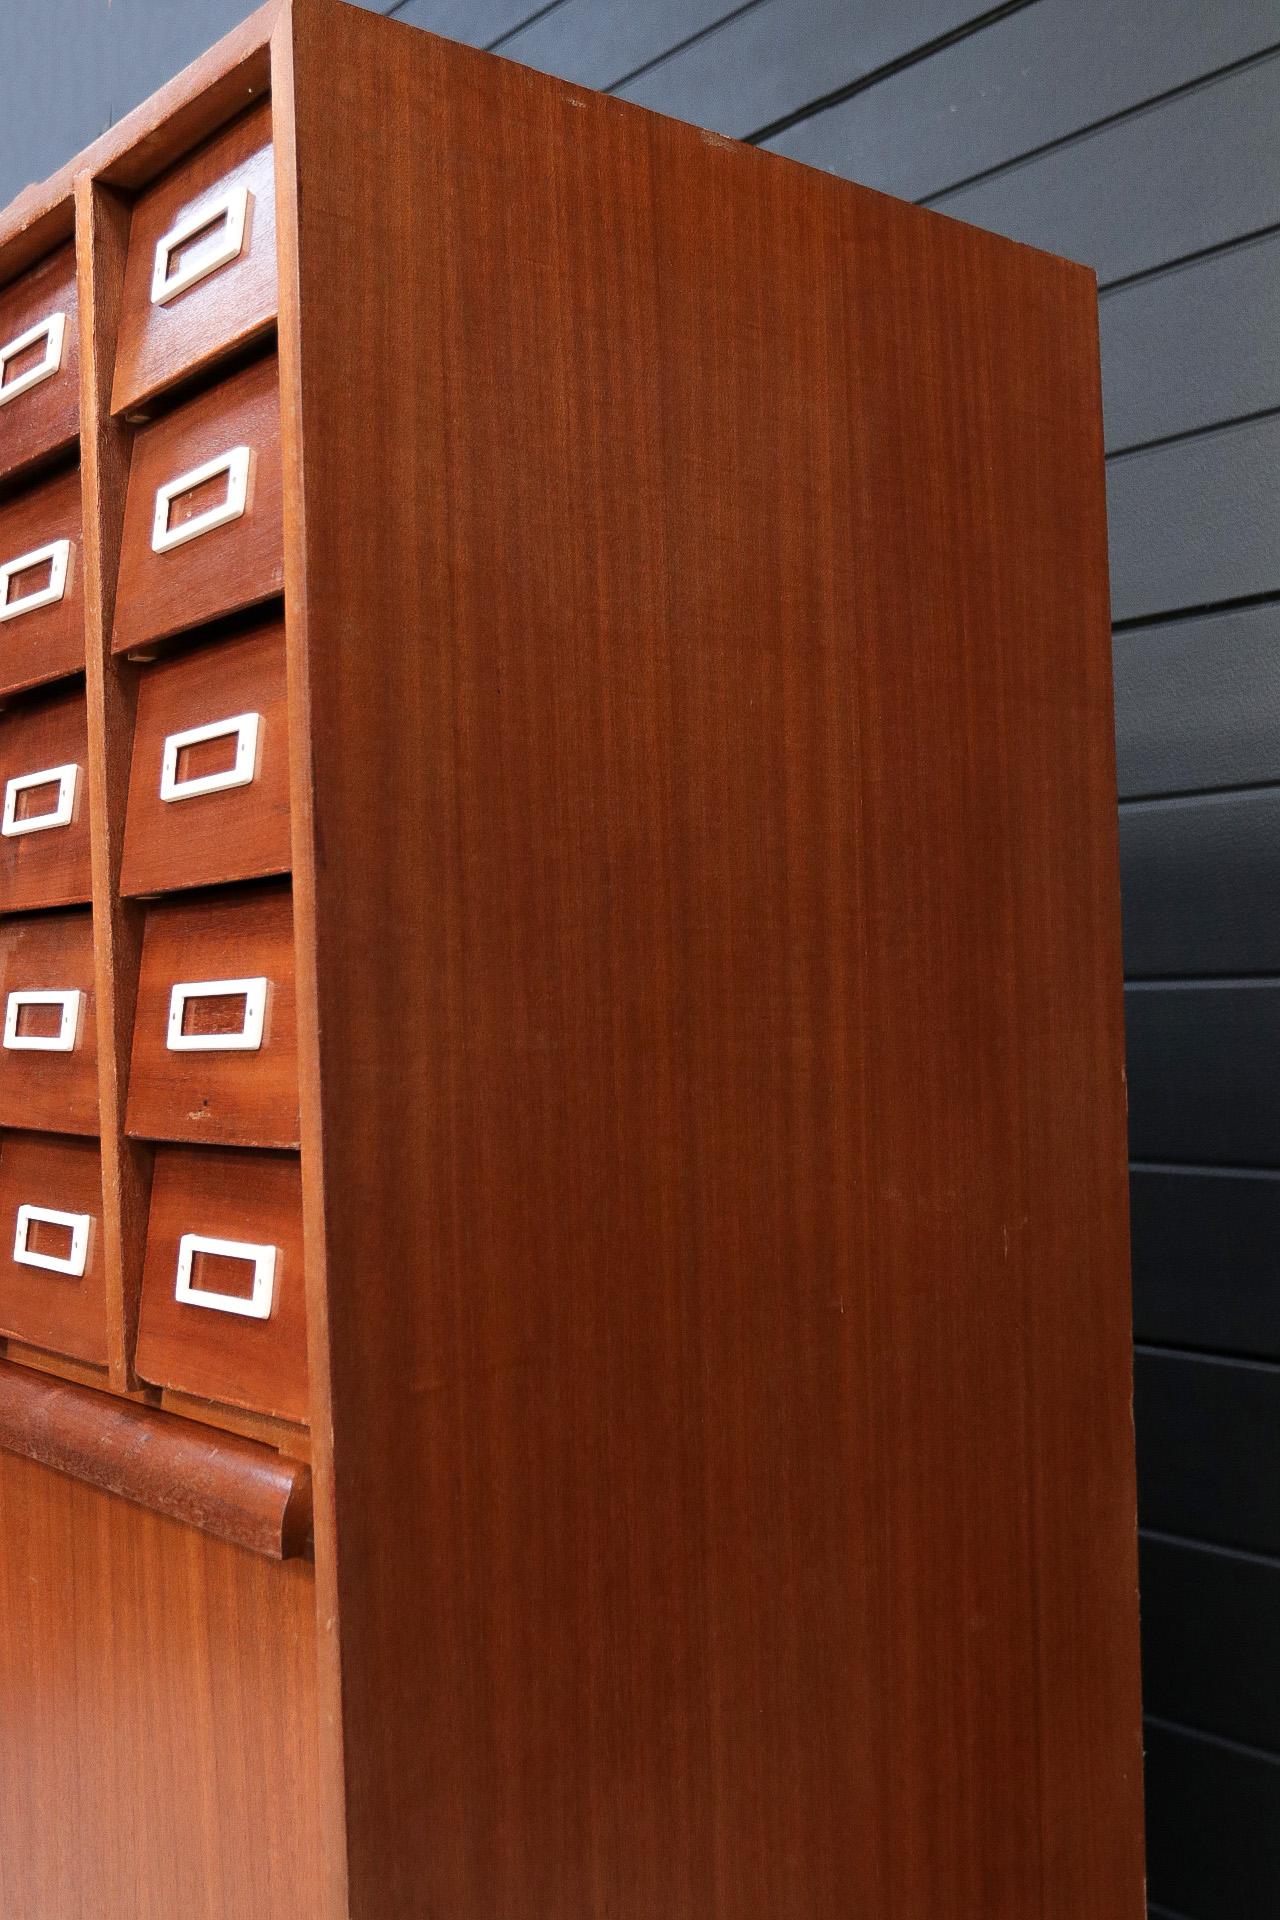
(332, 1783)
(102, 234)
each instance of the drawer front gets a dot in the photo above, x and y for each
(200, 277)
(214, 1053)
(203, 526)
(209, 783)
(48, 1048)
(223, 1310)
(44, 803)
(41, 614)
(52, 1286)
(39, 363)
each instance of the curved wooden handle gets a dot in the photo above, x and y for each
(232, 1488)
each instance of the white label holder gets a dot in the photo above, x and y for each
(69, 1001)
(58, 554)
(257, 1305)
(60, 814)
(77, 1224)
(245, 726)
(53, 330)
(249, 1037)
(235, 464)
(224, 244)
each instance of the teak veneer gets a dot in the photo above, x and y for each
(659, 679)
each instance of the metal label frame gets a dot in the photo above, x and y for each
(73, 1263)
(58, 554)
(54, 328)
(249, 1038)
(219, 250)
(71, 1001)
(235, 464)
(247, 728)
(257, 1306)
(63, 811)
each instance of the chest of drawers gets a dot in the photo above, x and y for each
(562, 1221)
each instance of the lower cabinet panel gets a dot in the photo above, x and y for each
(158, 1723)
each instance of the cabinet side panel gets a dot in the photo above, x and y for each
(713, 889)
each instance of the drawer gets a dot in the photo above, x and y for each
(203, 526)
(214, 1053)
(52, 1286)
(44, 802)
(39, 363)
(209, 783)
(200, 276)
(48, 1047)
(223, 1311)
(41, 615)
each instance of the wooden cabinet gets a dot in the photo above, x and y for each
(559, 942)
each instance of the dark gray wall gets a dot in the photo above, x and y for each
(1142, 136)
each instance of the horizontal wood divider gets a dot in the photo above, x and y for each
(222, 1484)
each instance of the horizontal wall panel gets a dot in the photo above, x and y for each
(1198, 702)
(475, 22)
(1200, 885)
(1170, 180)
(1203, 1082)
(1208, 1462)
(598, 42)
(772, 59)
(1034, 76)
(1195, 522)
(1193, 346)
(1206, 1261)
(1213, 1829)
(1209, 1622)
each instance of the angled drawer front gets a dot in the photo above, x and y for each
(41, 613)
(223, 1310)
(203, 529)
(214, 1052)
(48, 1050)
(209, 781)
(201, 271)
(44, 803)
(39, 363)
(52, 1290)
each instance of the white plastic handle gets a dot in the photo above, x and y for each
(255, 1306)
(58, 554)
(60, 814)
(249, 1037)
(235, 464)
(224, 243)
(245, 726)
(72, 1262)
(53, 330)
(69, 1001)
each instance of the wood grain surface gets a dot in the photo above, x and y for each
(253, 1197)
(162, 344)
(231, 566)
(230, 1488)
(57, 1092)
(245, 1097)
(63, 1313)
(719, 1268)
(46, 642)
(158, 1716)
(46, 418)
(241, 832)
(49, 867)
